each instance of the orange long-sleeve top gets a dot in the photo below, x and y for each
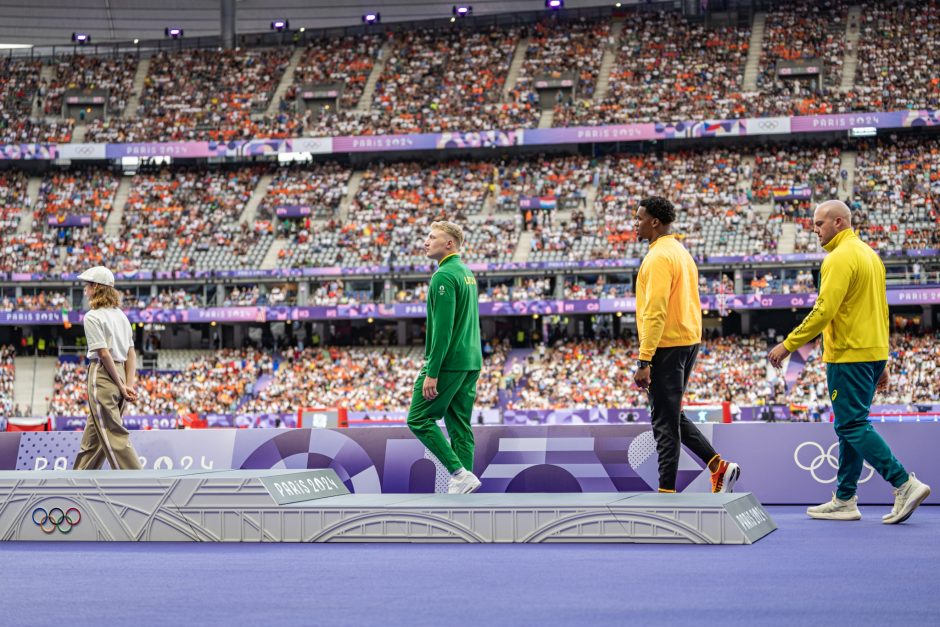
(668, 308)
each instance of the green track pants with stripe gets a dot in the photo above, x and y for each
(456, 392)
(851, 389)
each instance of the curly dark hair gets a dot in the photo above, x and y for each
(659, 208)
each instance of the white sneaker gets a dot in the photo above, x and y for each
(906, 499)
(836, 510)
(463, 482)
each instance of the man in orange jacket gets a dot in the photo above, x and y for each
(669, 321)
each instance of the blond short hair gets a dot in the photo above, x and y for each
(451, 229)
(104, 296)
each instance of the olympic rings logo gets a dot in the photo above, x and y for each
(56, 518)
(825, 456)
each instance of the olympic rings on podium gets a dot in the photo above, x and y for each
(55, 518)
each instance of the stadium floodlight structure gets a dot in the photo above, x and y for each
(280, 25)
(462, 10)
(173, 33)
(371, 18)
(81, 38)
(554, 5)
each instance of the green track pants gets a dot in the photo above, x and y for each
(851, 389)
(456, 391)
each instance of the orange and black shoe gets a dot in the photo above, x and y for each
(725, 476)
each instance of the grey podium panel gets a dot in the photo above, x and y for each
(234, 506)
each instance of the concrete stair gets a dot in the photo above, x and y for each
(518, 58)
(34, 383)
(547, 118)
(113, 225)
(752, 65)
(746, 177)
(365, 101)
(848, 161)
(133, 102)
(523, 247)
(850, 61)
(47, 73)
(607, 61)
(787, 243)
(250, 212)
(270, 259)
(79, 133)
(352, 189)
(26, 218)
(286, 81)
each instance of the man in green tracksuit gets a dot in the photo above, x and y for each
(447, 384)
(852, 314)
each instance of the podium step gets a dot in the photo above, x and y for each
(242, 506)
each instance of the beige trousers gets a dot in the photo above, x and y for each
(105, 437)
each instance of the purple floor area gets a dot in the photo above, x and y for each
(819, 572)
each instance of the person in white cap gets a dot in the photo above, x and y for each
(112, 375)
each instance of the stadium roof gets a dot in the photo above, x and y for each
(52, 22)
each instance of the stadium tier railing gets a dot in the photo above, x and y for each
(503, 138)
(716, 302)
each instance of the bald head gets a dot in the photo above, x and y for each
(835, 209)
(831, 218)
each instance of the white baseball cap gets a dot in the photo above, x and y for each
(98, 274)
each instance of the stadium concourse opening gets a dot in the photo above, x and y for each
(261, 181)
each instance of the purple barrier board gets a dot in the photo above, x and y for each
(145, 275)
(293, 211)
(69, 220)
(490, 138)
(896, 296)
(781, 463)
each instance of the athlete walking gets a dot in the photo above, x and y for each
(447, 383)
(112, 374)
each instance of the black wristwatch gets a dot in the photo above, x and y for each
(640, 364)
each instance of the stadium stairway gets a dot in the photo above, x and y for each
(547, 118)
(250, 212)
(787, 243)
(79, 132)
(271, 257)
(352, 188)
(850, 61)
(143, 68)
(113, 225)
(607, 61)
(286, 81)
(518, 58)
(26, 218)
(752, 65)
(849, 158)
(47, 74)
(523, 247)
(34, 383)
(365, 101)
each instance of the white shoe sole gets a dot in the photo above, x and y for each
(471, 487)
(918, 497)
(856, 515)
(465, 487)
(731, 477)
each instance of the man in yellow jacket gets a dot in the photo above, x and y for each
(852, 314)
(669, 321)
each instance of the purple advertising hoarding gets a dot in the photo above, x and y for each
(45, 152)
(69, 220)
(493, 138)
(293, 211)
(781, 463)
(719, 302)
